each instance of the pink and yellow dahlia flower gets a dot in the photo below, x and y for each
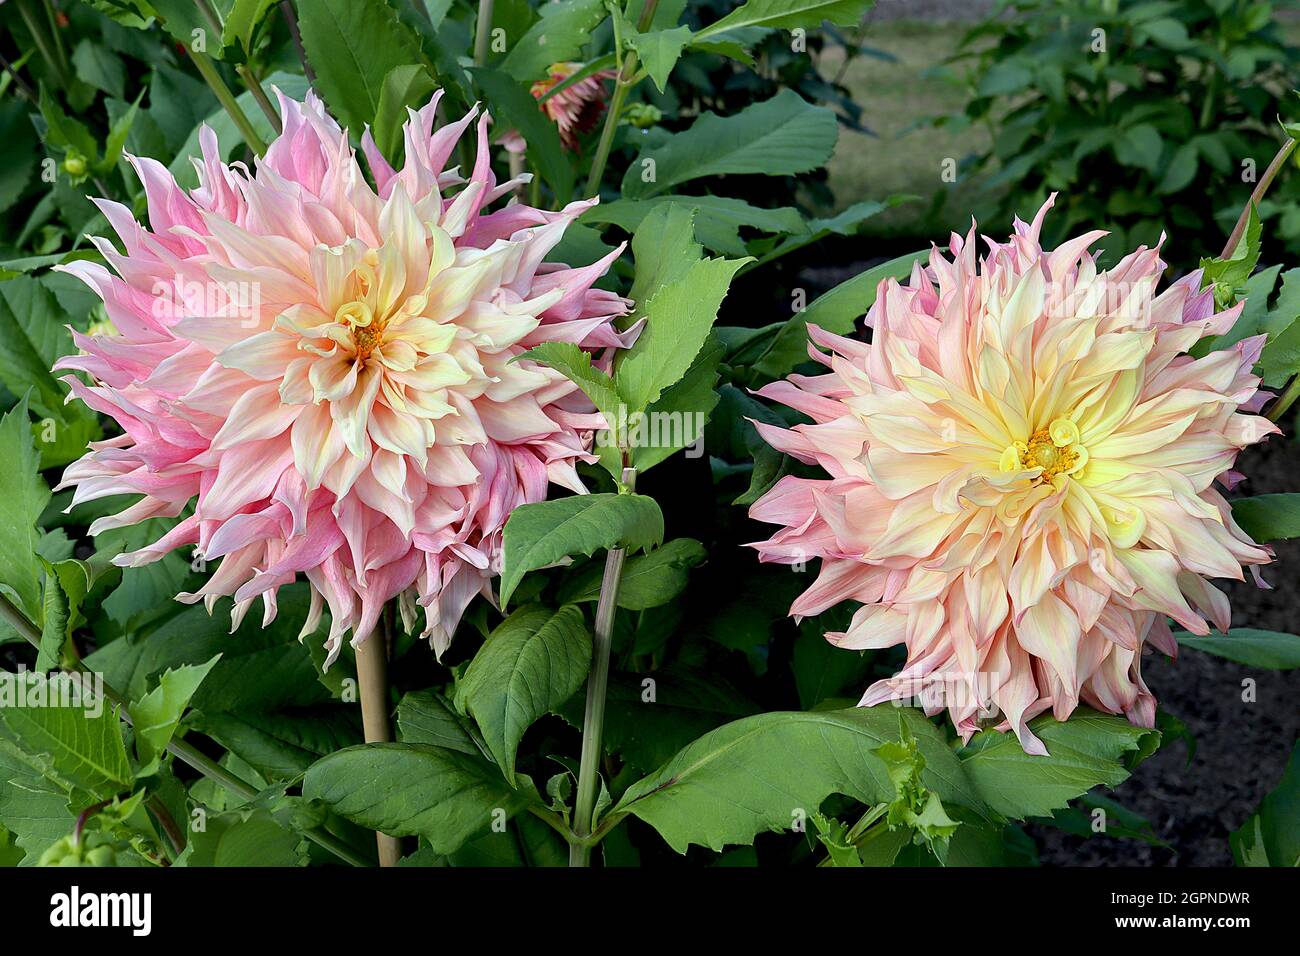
(1021, 478)
(326, 370)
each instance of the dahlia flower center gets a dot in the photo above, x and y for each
(1054, 449)
(367, 333)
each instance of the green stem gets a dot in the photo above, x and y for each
(868, 829)
(209, 13)
(259, 96)
(627, 78)
(647, 15)
(851, 50)
(482, 32)
(1261, 187)
(1211, 91)
(208, 70)
(218, 774)
(1286, 400)
(83, 818)
(1279, 160)
(602, 831)
(175, 836)
(552, 821)
(19, 83)
(866, 820)
(177, 748)
(607, 132)
(42, 42)
(593, 722)
(59, 49)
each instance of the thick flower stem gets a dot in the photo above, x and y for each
(59, 49)
(209, 13)
(49, 53)
(259, 96)
(482, 32)
(175, 835)
(593, 722)
(627, 79)
(606, 143)
(1286, 401)
(22, 86)
(372, 686)
(177, 748)
(208, 71)
(1261, 187)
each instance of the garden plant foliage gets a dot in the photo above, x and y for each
(726, 731)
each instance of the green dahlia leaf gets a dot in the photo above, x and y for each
(414, 790)
(530, 665)
(539, 535)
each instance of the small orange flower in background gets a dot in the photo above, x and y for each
(576, 109)
(1021, 478)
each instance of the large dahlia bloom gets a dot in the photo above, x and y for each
(327, 371)
(1021, 478)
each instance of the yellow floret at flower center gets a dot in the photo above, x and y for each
(1043, 453)
(367, 334)
(1055, 449)
(367, 339)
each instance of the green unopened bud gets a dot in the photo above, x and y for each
(63, 850)
(101, 856)
(643, 115)
(1224, 293)
(74, 164)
